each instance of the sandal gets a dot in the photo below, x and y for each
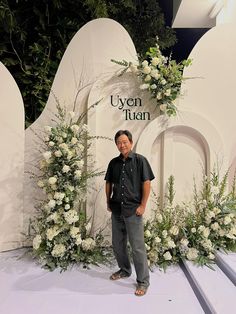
(140, 290)
(119, 275)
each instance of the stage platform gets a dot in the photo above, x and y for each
(25, 288)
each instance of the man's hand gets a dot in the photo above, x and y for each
(140, 210)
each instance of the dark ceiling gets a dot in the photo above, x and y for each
(186, 37)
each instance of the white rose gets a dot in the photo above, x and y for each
(193, 230)
(167, 256)
(74, 232)
(58, 153)
(216, 210)
(88, 244)
(78, 239)
(133, 68)
(67, 206)
(51, 203)
(65, 169)
(74, 140)
(51, 143)
(206, 232)
(163, 107)
(47, 129)
(144, 86)
(158, 96)
(168, 92)
(47, 155)
(157, 240)
(153, 86)
(164, 233)
(159, 218)
(227, 220)
(211, 256)
(52, 180)
(192, 254)
(75, 128)
(215, 226)
(184, 242)
(174, 230)
(155, 61)
(171, 244)
(40, 183)
(37, 241)
(144, 63)
(163, 81)
(147, 233)
(147, 78)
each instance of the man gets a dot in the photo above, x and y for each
(127, 190)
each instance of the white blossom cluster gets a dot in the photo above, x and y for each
(193, 231)
(62, 231)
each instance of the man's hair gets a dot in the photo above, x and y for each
(123, 132)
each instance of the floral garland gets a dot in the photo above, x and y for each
(62, 232)
(160, 75)
(193, 231)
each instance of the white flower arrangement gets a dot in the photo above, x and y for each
(159, 75)
(193, 231)
(62, 233)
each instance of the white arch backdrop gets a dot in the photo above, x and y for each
(206, 119)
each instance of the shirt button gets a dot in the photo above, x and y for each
(122, 186)
(122, 203)
(122, 178)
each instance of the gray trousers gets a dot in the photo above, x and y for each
(130, 228)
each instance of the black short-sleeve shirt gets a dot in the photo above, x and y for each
(127, 177)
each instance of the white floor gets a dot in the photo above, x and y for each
(25, 288)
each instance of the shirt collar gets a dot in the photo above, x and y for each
(130, 156)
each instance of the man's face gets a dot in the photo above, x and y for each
(124, 145)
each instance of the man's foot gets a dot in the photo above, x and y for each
(119, 275)
(140, 290)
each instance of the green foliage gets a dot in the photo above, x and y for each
(35, 34)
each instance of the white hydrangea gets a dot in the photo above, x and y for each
(71, 216)
(74, 231)
(37, 241)
(88, 244)
(75, 128)
(52, 233)
(58, 250)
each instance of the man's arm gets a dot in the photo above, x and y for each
(145, 194)
(108, 189)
